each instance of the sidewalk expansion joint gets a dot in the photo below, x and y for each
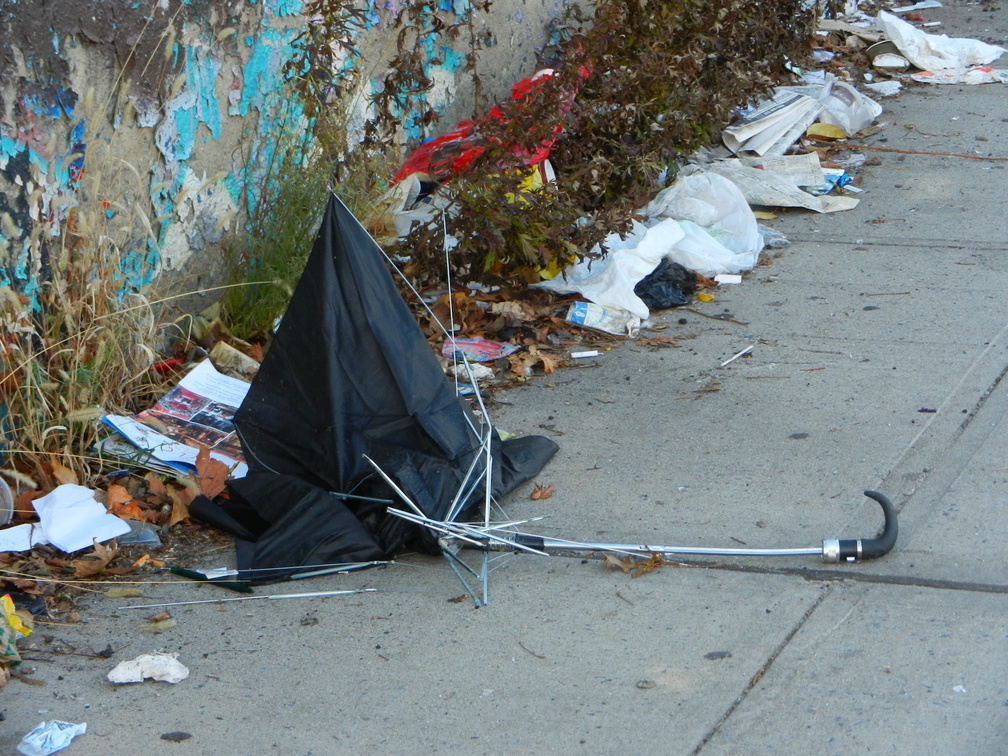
(828, 575)
(759, 674)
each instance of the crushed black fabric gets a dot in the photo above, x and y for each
(349, 373)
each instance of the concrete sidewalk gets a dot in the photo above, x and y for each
(880, 346)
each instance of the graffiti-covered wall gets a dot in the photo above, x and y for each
(172, 109)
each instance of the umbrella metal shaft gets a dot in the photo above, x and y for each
(556, 544)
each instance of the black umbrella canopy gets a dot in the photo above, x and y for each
(349, 373)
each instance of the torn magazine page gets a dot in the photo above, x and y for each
(196, 414)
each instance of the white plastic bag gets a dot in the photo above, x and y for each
(935, 52)
(846, 108)
(702, 222)
(720, 233)
(610, 280)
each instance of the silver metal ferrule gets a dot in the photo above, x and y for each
(831, 551)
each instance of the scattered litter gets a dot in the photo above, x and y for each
(479, 372)
(196, 414)
(855, 160)
(868, 36)
(978, 75)
(720, 234)
(834, 178)
(160, 667)
(140, 534)
(775, 185)
(735, 356)
(703, 222)
(72, 519)
(772, 238)
(584, 355)
(890, 63)
(846, 108)
(226, 357)
(668, 285)
(611, 320)
(22, 537)
(50, 737)
(959, 689)
(477, 350)
(934, 52)
(826, 131)
(923, 5)
(774, 126)
(728, 278)
(885, 88)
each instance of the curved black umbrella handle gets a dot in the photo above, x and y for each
(868, 548)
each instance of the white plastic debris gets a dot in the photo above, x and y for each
(720, 229)
(702, 222)
(885, 88)
(50, 737)
(978, 75)
(846, 108)
(936, 52)
(614, 320)
(160, 667)
(924, 5)
(479, 372)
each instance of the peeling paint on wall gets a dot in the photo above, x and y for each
(196, 106)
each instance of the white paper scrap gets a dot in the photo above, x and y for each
(161, 667)
(22, 537)
(72, 519)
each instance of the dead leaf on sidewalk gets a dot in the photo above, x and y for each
(612, 563)
(211, 474)
(541, 492)
(658, 341)
(180, 498)
(156, 493)
(121, 504)
(129, 511)
(523, 363)
(95, 563)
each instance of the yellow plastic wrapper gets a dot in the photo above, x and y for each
(19, 621)
(13, 625)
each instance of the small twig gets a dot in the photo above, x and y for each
(526, 650)
(888, 294)
(722, 318)
(26, 679)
